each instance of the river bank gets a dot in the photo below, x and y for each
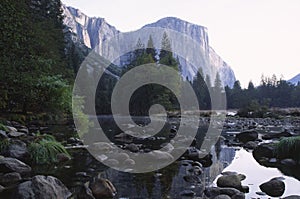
(188, 177)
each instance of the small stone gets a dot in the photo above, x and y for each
(188, 193)
(260, 193)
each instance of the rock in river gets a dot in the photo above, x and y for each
(274, 188)
(42, 187)
(233, 181)
(247, 136)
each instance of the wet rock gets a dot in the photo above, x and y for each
(167, 147)
(233, 181)
(160, 156)
(227, 173)
(10, 179)
(102, 188)
(13, 165)
(192, 179)
(214, 191)
(15, 134)
(18, 149)
(62, 157)
(132, 147)
(292, 197)
(263, 151)
(11, 129)
(23, 130)
(197, 170)
(3, 134)
(276, 135)
(288, 162)
(1, 188)
(123, 137)
(250, 145)
(247, 136)
(274, 188)
(223, 196)
(260, 193)
(129, 163)
(188, 193)
(238, 196)
(42, 187)
(101, 147)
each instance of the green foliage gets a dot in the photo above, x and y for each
(288, 148)
(254, 109)
(80, 117)
(271, 92)
(32, 57)
(44, 150)
(4, 144)
(3, 127)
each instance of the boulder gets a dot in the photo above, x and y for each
(62, 157)
(247, 136)
(215, 191)
(102, 188)
(15, 134)
(18, 150)
(13, 165)
(233, 181)
(10, 179)
(132, 147)
(264, 151)
(274, 188)
(42, 187)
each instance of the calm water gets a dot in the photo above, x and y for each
(167, 182)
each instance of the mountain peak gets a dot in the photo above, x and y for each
(295, 79)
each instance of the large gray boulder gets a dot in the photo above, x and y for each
(8, 165)
(42, 187)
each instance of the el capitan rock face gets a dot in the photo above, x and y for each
(93, 32)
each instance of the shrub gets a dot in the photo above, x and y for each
(288, 148)
(45, 148)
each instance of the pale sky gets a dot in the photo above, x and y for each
(254, 37)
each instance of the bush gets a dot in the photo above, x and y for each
(45, 148)
(288, 148)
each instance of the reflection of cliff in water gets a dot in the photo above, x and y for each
(169, 181)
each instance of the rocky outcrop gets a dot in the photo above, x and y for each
(94, 32)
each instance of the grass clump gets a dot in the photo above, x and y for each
(289, 148)
(3, 127)
(45, 148)
(4, 144)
